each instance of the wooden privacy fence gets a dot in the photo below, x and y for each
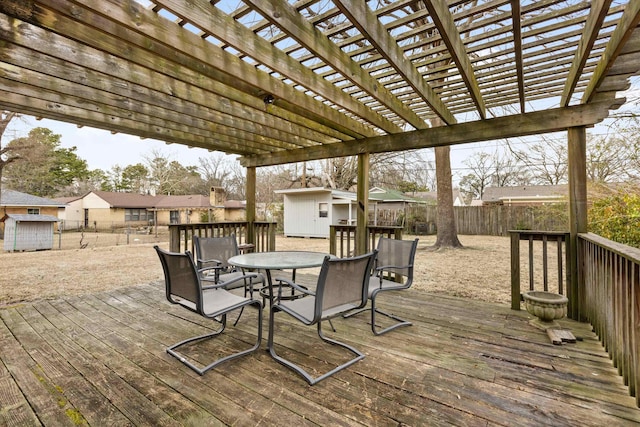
(264, 239)
(494, 220)
(342, 238)
(611, 300)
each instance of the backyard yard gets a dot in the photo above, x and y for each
(480, 271)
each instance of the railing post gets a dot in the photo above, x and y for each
(332, 239)
(577, 155)
(174, 239)
(515, 270)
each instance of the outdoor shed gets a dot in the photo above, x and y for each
(24, 232)
(308, 212)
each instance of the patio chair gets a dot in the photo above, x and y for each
(184, 286)
(212, 254)
(393, 271)
(342, 286)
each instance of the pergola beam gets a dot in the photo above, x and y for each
(625, 28)
(532, 123)
(517, 48)
(442, 18)
(599, 10)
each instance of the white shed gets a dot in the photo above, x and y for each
(25, 232)
(308, 212)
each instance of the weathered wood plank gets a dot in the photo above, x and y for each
(461, 363)
(83, 404)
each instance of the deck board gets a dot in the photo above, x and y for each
(100, 359)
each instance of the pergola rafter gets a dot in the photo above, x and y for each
(276, 82)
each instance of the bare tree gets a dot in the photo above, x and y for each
(610, 159)
(546, 160)
(7, 156)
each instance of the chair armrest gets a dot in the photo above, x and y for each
(213, 286)
(206, 269)
(293, 285)
(202, 261)
(389, 267)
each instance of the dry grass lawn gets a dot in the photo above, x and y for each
(481, 270)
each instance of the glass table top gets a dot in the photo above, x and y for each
(279, 260)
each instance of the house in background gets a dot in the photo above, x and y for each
(526, 195)
(109, 210)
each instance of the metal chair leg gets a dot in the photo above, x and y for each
(201, 371)
(310, 379)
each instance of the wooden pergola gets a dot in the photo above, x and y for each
(280, 82)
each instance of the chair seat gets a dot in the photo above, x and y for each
(303, 309)
(236, 275)
(213, 301)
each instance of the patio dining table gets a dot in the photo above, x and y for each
(278, 260)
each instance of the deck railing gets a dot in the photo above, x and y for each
(180, 235)
(342, 238)
(539, 269)
(611, 299)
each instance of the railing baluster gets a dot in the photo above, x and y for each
(612, 301)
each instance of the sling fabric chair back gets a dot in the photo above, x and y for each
(393, 271)
(184, 286)
(342, 286)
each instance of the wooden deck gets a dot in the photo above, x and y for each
(100, 359)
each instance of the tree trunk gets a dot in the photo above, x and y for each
(446, 222)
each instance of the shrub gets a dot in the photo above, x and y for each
(617, 218)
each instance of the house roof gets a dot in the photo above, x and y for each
(280, 81)
(17, 198)
(126, 200)
(182, 201)
(143, 201)
(235, 204)
(497, 194)
(68, 199)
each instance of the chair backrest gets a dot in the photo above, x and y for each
(218, 248)
(182, 285)
(398, 253)
(343, 284)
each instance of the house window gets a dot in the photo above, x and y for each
(136, 215)
(323, 210)
(174, 217)
(33, 211)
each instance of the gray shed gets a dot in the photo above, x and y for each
(24, 232)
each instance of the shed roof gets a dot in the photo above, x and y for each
(280, 81)
(30, 218)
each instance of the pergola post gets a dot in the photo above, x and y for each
(363, 204)
(250, 207)
(577, 216)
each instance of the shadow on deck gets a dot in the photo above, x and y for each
(100, 359)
